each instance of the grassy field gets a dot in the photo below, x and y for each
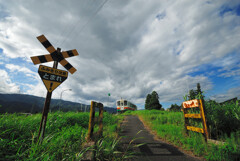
(64, 137)
(221, 119)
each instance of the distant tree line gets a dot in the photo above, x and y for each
(175, 107)
(152, 101)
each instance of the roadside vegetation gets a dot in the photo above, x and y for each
(64, 138)
(223, 125)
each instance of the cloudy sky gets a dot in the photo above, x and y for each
(126, 47)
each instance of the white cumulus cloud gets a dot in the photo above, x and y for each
(128, 48)
(6, 85)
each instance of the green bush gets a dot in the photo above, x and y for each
(222, 119)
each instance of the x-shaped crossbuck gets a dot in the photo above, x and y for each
(54, 55)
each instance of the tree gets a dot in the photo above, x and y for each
(199, 91)
(147, 102)
(195, 94)
(175, 107)
(192, 94)
(152, 101)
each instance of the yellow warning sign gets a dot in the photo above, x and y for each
(52, 77)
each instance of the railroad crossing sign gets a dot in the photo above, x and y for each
(52, 77)
(54, 55)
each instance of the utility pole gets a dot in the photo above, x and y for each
(109, 94)
(61, 96)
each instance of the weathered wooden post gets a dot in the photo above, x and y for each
(204, 123)
(46, 107)
(186, 121)
(91, 140)
(91, 121)
(100, 119)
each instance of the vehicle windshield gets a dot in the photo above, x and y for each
(125, 103)
(118, 103)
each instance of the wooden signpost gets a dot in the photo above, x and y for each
(193, 104)
(51, 77)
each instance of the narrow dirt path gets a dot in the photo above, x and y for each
(153, 150)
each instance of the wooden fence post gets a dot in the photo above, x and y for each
(186, 122)
(203, 119)
(91, 140)
(100, 132)
(91, 121)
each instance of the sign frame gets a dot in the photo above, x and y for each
(193, 104)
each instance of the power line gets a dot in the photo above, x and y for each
(72, 24)
(87, 22)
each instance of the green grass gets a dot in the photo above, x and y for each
(170, 126)
(64, 136)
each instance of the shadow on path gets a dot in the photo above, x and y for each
(134, 132)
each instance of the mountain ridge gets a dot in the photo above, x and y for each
(16, 103)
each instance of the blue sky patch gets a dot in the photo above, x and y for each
(225, 9)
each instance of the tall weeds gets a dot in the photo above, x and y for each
(222, 119)
(170, 126)
(65, 135)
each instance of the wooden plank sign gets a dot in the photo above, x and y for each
(196, 129)
(52, 77)
(197, 116)
(191, 104)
